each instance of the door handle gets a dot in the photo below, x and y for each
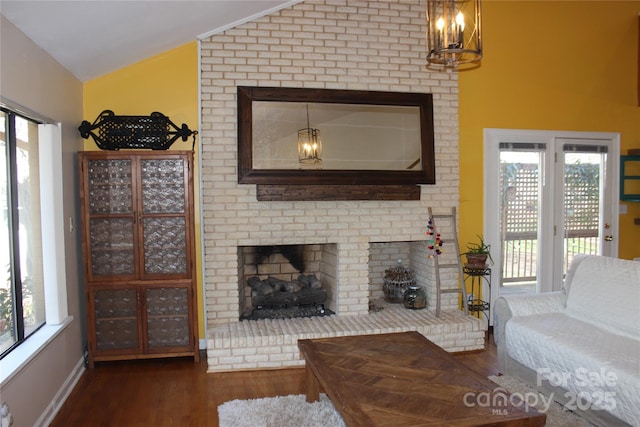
(608, 238)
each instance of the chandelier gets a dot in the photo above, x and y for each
(309, 144)
(453, 32)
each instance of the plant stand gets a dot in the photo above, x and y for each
(477, 277)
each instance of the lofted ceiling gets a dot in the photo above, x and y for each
(91, 38)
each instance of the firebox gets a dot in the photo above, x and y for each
(282, 281)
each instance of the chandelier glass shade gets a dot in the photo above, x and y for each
(453, 32)
(309, 144)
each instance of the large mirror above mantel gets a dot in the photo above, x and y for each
(323, 137)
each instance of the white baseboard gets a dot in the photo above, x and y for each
(61, 396)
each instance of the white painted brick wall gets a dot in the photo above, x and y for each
(333, 44)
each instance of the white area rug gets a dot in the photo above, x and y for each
(281, 411)
(294, 411)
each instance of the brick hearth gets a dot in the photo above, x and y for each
(259, 344)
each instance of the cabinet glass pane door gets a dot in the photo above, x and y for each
(162, 186)
(167, 317)
(111, 223)
(112, 246)
(116, 319)
(110, 187)
(165, 245)
(164, 222)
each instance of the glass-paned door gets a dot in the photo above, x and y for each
(521, 197)
(587, 223)
(556, 197)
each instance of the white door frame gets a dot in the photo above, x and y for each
(552, 139)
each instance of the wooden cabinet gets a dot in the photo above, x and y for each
(138, 248)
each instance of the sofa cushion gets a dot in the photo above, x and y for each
(591, 363)
(606, 292)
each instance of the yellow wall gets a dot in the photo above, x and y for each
(551, 65)
(167, 83)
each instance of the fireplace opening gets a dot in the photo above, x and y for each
(385, 255)
(285, 281)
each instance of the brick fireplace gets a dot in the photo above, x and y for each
(368, 45)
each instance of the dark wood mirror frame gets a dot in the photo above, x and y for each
(248, 175)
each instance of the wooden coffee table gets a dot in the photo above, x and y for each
(404, 379)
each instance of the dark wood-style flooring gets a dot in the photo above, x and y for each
(178, 392)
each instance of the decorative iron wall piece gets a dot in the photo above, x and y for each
(154, 131)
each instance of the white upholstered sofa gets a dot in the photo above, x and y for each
(582, 344)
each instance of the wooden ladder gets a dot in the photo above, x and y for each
(461, 289)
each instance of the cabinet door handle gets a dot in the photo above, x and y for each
(608, 238)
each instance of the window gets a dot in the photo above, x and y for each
(22, 300)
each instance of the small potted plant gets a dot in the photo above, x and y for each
(477, 254)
